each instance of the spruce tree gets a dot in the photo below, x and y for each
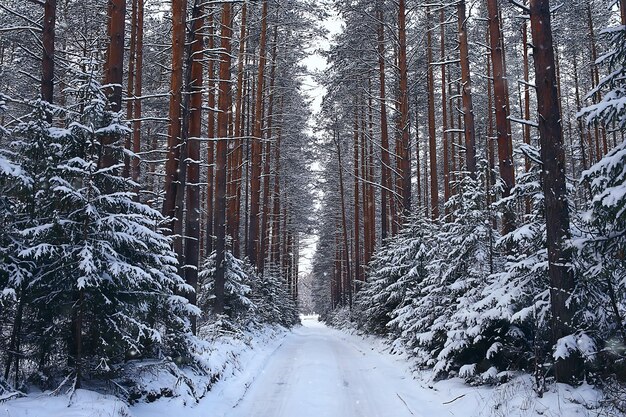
(98, 256)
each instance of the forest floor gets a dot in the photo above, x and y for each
(318, 371)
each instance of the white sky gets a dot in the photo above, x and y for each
(315, 63)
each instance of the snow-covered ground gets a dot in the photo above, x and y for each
(316, 371)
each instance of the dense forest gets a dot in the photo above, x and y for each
(161, 164)
(153, 179)
(474, 185)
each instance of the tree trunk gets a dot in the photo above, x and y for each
(257, 146)
(210, 195)
(434, 185)
(554, 187)
(224, 106)
(444, 112)
(130, 85)
(600, 130)
(135, 167)
(581, 129)
(13, 353)
(47, 63)
(468, 108)
(235, 184)
(192, 223)
(405, 172)
(503, 131)
(344, 223)
(275, 258)
(179, 8)
(526, 103)
(264, 241)
(370, 161)
(365, 184)
(385, 174)
(418, 157)
(113, 73)
(357, 212)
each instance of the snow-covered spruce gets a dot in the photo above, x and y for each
(251, 299)
(99, 268)
(612, 108)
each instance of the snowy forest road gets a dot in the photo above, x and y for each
(322, 372)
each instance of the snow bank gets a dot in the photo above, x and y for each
(158, 386)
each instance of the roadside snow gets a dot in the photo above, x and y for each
(316, 371)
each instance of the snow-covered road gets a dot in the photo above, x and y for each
(322, 372)
(316, 371)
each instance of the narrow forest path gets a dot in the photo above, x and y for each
(322, 372)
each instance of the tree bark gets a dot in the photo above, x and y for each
(130, 85)
(47, 63)
(275, 258)
(581, 129)
(344, 222)
(370, 161)
(179, 8)
(444, 112)
(135, 167)
(434, 185)
(257, 146)
(235, 184)
(601, 145)
(468, 108)
(113, 73)
(526, 103)
(224, 106)
(192, 223)
(405, 171)
(210, 195)
(264, 241)
(553, 182)
(357, 212)
(503, 131)
(386, 215)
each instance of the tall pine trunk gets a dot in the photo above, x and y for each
(257, 146)
(224, 106)
(135, 167)
(113, 72)
(444, 111)
(47, 63)
(385, 210)
(468, 108)
(553, 184)
(179, 10)
(234, 194)
(432, 138)
(405, 161)
(503, 128)
(357, 219)
(210, 195)
(192, 221)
